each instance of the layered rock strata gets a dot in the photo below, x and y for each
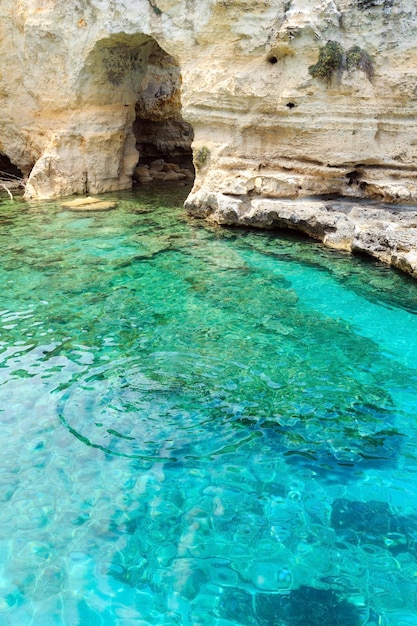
(282, 99)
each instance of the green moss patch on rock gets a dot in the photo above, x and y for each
(359, 59)
(333, 60)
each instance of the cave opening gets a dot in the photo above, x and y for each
(11, 177)
(8, 169)
(163, 137)
(127, 124)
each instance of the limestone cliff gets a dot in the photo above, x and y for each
(287, 99)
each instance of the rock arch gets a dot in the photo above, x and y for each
(117, 101)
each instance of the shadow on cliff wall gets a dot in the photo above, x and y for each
(160, 131)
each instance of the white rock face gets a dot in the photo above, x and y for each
(72, 71)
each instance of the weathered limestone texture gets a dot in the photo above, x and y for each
(386, 233)
(287, 99)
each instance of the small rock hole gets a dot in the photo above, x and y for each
(353, 177)
(273, 60)
(290, 105)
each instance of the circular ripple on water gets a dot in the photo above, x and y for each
(167, 405)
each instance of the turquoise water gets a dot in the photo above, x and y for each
(201, 426)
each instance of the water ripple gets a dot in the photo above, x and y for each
(166, 405)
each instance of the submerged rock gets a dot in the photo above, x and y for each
(89, 204)
(374, 523)
(237, 604)
(306, 606)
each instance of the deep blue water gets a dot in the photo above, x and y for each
(201, 426)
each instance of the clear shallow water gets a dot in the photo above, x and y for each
(201, 426)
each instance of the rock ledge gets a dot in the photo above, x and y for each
(386, 234)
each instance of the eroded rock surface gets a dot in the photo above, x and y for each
(386, 233)
(285, 99)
